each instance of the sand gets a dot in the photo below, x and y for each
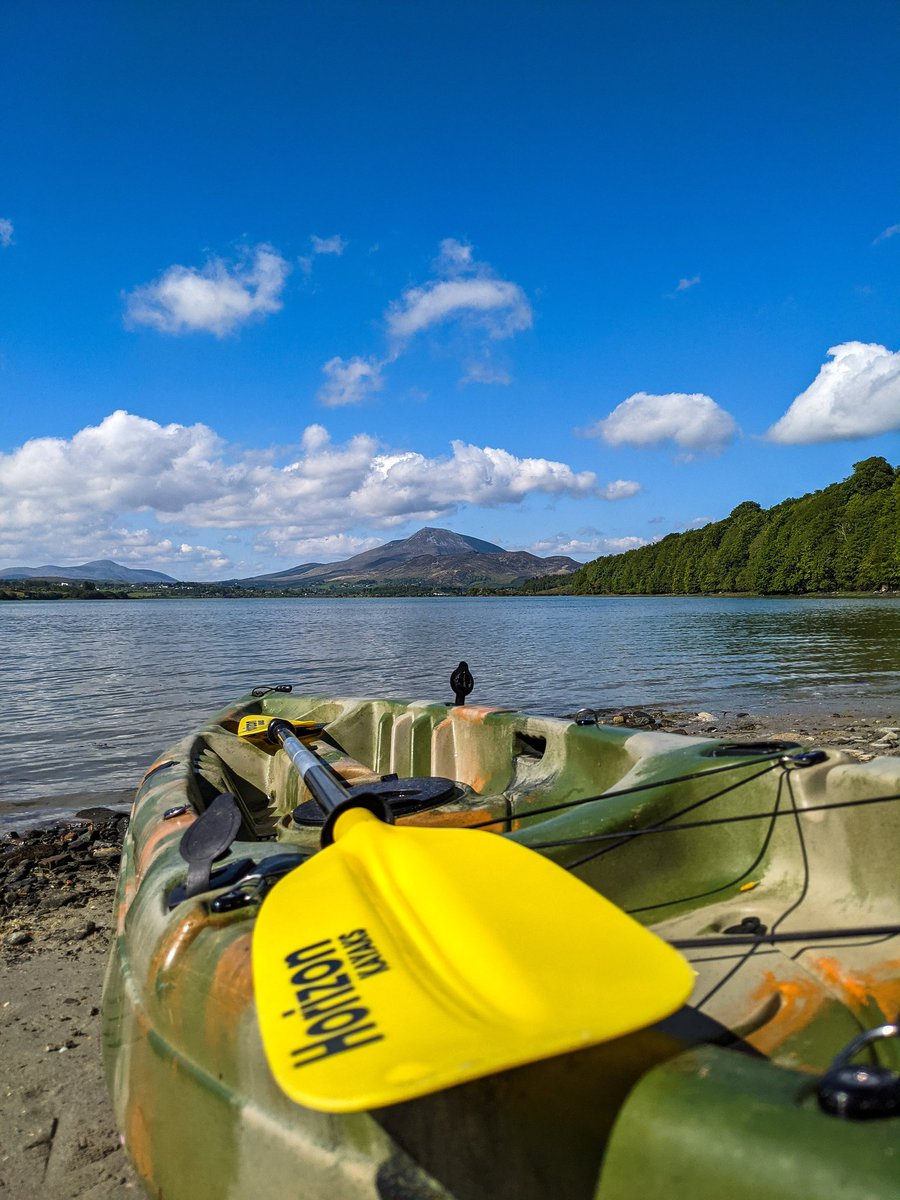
(58, 1139)
(57, 1135)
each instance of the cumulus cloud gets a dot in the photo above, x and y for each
(6, 231)
(694, 422)
(620, 489)
(856, 395)
(349, 381)
(496, 304)
(215, 298)
(467, 291)
(464, 293)
(83, 492)
(294, 542)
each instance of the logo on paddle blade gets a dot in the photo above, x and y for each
(328, 1001)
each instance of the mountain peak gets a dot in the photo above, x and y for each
(431, 556)
(101, 570)
(433, 540)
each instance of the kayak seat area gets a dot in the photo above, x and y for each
(213, 775)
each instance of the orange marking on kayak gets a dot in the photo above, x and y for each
(166, 965)
(137, 1139)
(154, 841)
(158, 763)
(458, 818)
(476, 713)
(801, 1000)
(881, 984)
(122, 907)
(230, 993)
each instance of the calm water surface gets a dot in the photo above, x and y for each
(96, 689)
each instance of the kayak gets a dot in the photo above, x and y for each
(768, 868)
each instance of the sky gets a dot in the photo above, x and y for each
(281, 281)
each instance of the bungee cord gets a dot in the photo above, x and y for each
(745, 945)
(771, 760)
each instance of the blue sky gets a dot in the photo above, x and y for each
(281, 281)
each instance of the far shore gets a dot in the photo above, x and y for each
(203, 591)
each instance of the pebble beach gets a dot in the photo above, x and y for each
(58, 1139)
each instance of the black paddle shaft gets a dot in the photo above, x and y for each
(331, 796)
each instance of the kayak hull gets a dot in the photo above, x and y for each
(686, 1107)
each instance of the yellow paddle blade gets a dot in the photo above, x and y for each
(400, 961)
(255, 729)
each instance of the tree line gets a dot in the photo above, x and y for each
(845, 538)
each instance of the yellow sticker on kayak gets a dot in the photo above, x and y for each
(256, 729)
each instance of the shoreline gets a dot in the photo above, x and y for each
(57, 883)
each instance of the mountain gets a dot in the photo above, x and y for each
(844, 538)
(99, 571)
(432, 558)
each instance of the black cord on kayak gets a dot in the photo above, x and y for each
(587, 839)
(729, 884)
(802, 935)
(638, 787)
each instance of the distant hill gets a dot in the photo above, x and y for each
(99, 571)
(430, 558)
(845, 538)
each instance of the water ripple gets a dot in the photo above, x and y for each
(96, 689)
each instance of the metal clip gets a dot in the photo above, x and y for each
(861, 1093)
(253, 887)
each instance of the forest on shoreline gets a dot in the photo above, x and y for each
(844, 538)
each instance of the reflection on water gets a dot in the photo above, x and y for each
(96, 689)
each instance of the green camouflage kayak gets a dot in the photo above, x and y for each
(773, 869)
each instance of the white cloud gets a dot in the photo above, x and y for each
(693, 422)
(620, 489)
(483, 371)
(328, 245)
(585, 544)
(349, 381)
(294, 542)
(469, 291)
(216, 298)
(6, 232)
(84, 493)
(454, 257)
(465, 293)
(891, 231)
(856, 395)
(685, 285)
(497, 305)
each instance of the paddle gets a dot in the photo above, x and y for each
(400, 961)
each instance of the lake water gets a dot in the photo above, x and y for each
(95, 690)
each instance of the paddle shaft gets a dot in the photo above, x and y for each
(326, 790)
(331, 796)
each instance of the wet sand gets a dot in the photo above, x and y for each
(58, 1139)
